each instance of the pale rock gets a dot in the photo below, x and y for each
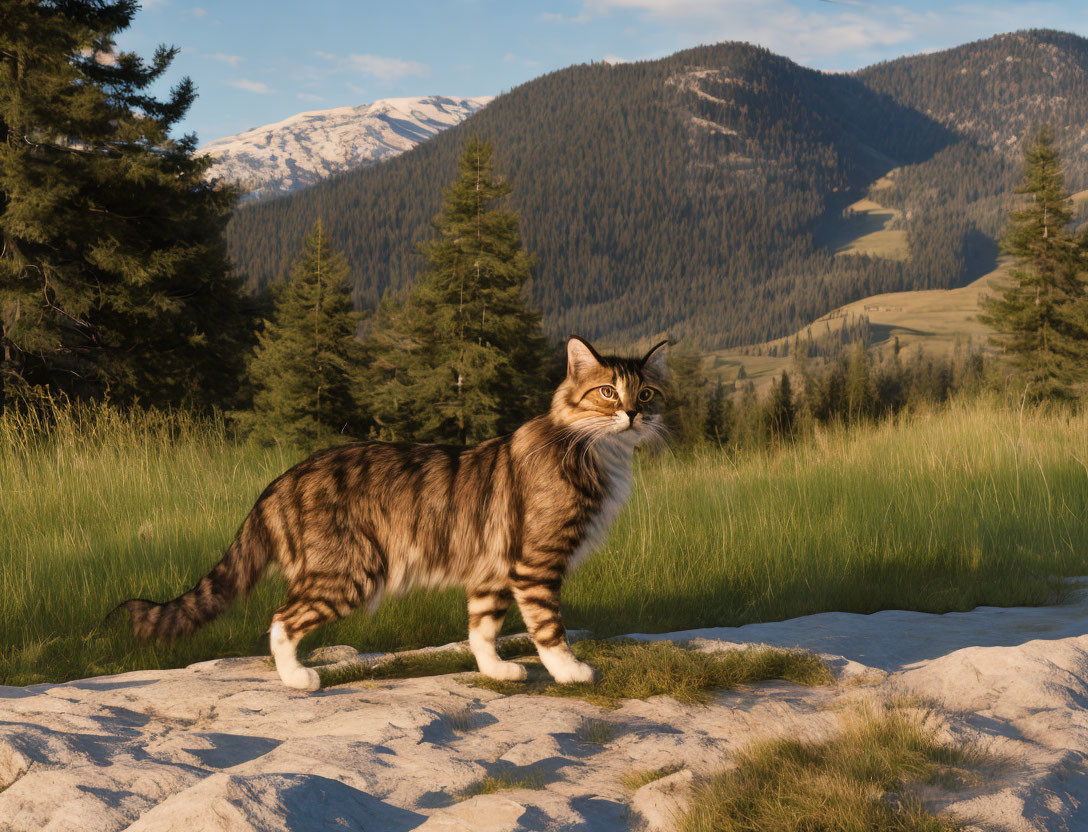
(223, 745)
(660, 802)
(483, 813)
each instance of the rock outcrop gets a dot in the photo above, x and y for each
(223, 745)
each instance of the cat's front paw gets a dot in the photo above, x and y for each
(506, 671)
(573, 672)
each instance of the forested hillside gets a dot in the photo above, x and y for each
(993, 93)
(997, 90)
(690, 194)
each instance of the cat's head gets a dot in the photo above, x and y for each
(609, 396)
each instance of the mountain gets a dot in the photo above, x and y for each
(992, 93)
(998, 90)
(704, 194)
(306, 148)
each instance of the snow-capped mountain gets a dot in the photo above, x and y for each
(308, 147)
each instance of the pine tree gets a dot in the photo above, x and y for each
(1040, 316)
(719, 415)
(461, 359)
(307, 365)
(781, 411)
(860, 396)
(687, 411)
(114, 276)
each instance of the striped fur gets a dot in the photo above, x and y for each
(505, 519)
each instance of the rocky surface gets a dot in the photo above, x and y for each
(222, 745)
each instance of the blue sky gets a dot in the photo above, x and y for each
(257, 62)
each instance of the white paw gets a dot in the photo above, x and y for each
(573, 672)
(302, 678)
(506, 671)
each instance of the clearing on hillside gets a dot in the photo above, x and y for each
(935, 320)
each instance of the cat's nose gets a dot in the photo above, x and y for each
(631, 414)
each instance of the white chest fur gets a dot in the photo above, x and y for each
(615, 461)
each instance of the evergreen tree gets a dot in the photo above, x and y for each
(860, 396)
(687, 411)
(307, 365)
(719, 415)
(114, 276)
(781, 412)
(1041, 314)
(462, 358)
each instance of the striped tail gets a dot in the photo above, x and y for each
(232, 577)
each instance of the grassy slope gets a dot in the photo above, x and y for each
(943, 511)
(935, 320)
(866, 228)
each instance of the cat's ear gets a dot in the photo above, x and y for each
(581, 357)
(656, 360)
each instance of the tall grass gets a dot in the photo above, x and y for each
(946, 510)
(863, 779)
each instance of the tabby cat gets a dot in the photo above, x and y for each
(506, 519)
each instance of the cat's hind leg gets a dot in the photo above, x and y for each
(319, 600)
(486, 611)
(284, 643)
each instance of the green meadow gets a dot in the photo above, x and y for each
(942, 510)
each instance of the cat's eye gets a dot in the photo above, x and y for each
(607, 391)
(645, 394)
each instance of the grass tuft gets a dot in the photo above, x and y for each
(462, 720)
(520, 779)
(413, 665)
(637, 778)
(437, 663)
(629, 669)
(859, 780)
(595, 731)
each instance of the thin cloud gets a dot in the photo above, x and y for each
(233, 60)
(855, 30)
(308, 96)
(377, 66)
(615, 59)
(246, 84)
(781, 25)
(195, 11)
(386, 69)
(510, 58)
(552, 17)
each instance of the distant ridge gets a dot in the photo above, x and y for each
(306, 148)
(706, 194)
(998, 90)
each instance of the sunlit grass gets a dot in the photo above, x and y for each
(595, 731)
(505, 781)
(638, 670)
(861, 779)
(941, 511)
(639, 777)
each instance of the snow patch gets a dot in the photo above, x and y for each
(310, 146)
